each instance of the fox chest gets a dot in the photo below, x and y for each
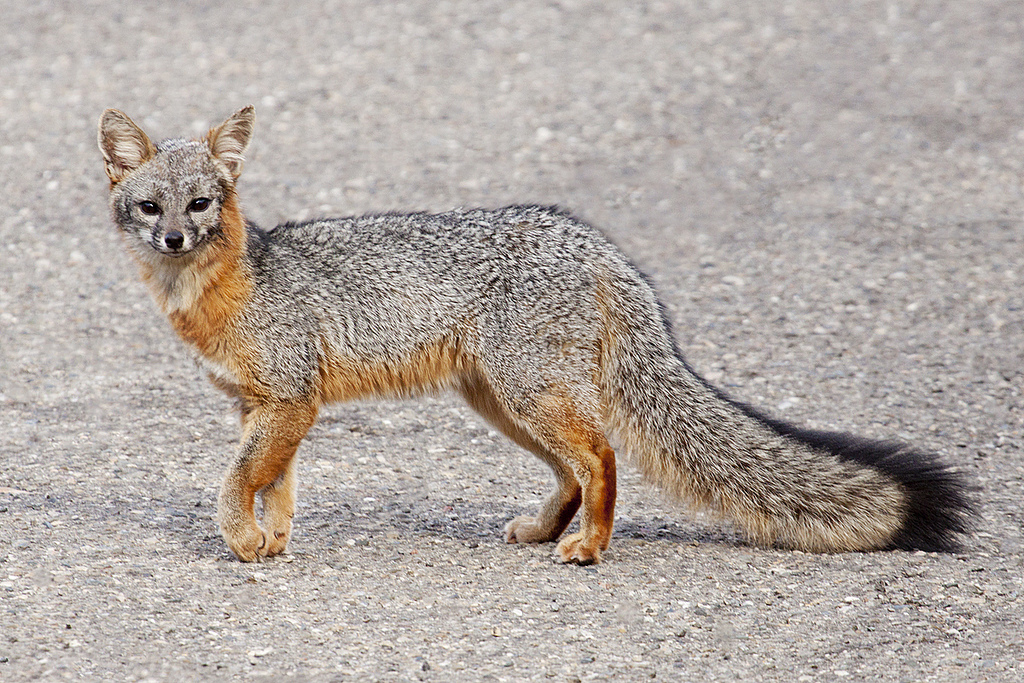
(247, 364)
(223, 374)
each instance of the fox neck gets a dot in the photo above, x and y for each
(204, 292)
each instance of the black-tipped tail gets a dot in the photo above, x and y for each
(939, 510)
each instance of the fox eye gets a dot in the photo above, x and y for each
(200, 204)
(149, 208)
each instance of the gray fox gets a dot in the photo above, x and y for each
(531, 315)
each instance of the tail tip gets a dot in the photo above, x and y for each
(940, 512)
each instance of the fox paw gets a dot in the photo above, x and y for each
(278, 531)
(248, 543)
(252, 543)
(574, 549)
(526, 530)
(277, 542)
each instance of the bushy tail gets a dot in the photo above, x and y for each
(808, 490)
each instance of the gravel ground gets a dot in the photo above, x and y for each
(828, 196)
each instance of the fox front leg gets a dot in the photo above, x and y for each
(271, 434)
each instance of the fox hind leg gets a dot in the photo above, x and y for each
(577, 442)
(555, 513)
(560, 507)
(574, 446)
(581, 444)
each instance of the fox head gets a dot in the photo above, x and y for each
(167, 197)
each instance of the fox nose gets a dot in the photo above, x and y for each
(174, 240)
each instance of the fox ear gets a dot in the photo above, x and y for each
(123, 144)
(229, 140)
